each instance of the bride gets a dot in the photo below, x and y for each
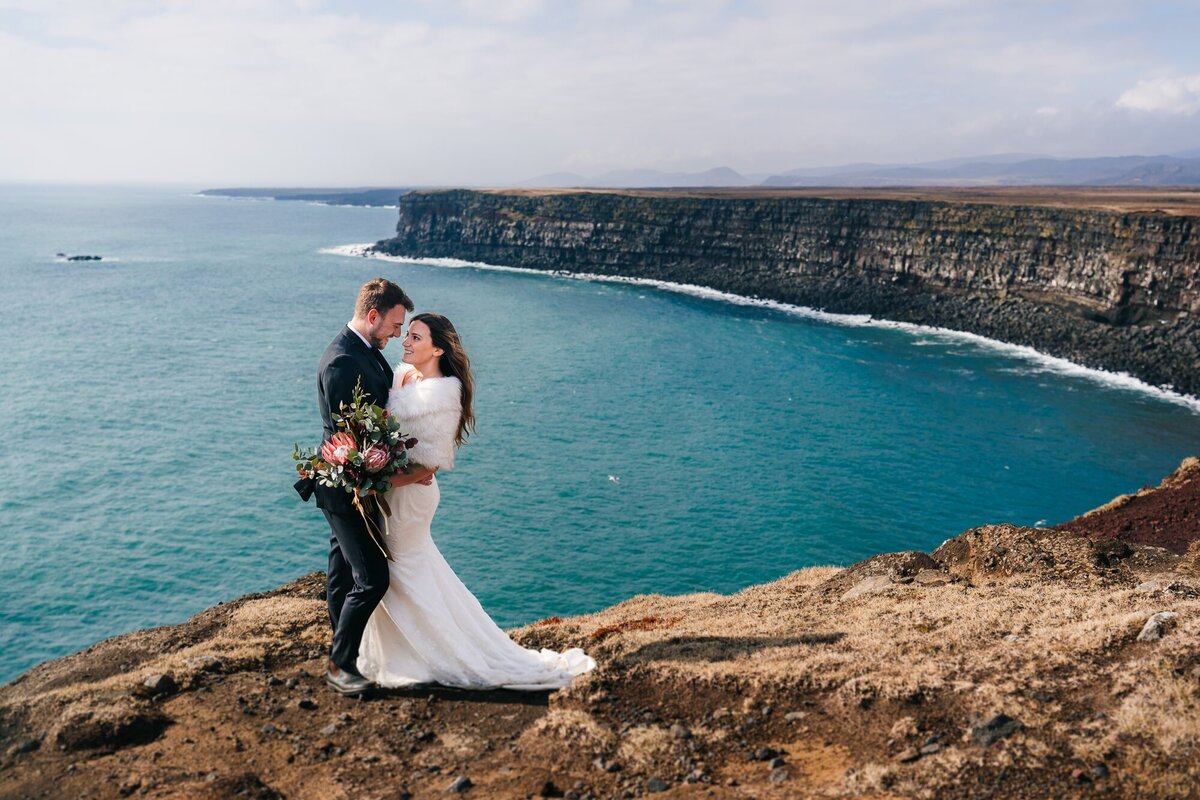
(429, 628)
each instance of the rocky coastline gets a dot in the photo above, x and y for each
(1008, 663)
(1114, 288)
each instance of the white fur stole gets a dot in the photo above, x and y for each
(429, 410)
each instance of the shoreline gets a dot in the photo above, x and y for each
(1050, 363)
(1114, 290)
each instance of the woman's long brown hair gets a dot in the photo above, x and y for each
(453, 362)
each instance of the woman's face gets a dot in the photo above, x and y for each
(418, 344)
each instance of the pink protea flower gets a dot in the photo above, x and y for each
(376, 457)
(337, 449)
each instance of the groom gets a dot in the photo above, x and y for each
(358, 569)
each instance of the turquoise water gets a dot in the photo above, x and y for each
(630, 440)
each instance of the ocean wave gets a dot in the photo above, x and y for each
(345, 205)
(230, 197)
(929, 334)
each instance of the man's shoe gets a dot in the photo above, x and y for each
(343, 682)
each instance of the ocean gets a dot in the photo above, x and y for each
(632, 438)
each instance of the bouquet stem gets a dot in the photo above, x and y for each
(372, 528)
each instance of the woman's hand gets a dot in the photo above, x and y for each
(422, 475)
(412, 376)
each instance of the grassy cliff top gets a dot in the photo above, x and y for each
(1166, 200)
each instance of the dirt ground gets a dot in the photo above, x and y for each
(1168, 516)
(1010, 663)
(1175, 200)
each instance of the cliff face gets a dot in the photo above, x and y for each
(1120, 291)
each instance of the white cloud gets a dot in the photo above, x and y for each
(305, 91)
(1165, 95)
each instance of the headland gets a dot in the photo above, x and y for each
(1105, 278)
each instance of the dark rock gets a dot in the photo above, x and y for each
(160, 684)
(26, 746)
(679, 731)
(245, 784)
(306, 703)
(119, 727)
(1158, 625)
(998, 727)
(764, 754)
(550, 790)
(657, 785)
(1099, 771)
(779, 775)
(460, 785)
(776, 762)
(207, 663)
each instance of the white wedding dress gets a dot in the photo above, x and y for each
(429, 628)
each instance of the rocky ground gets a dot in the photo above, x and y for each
(1009, 663)
(1176, 200)
(1167, 516)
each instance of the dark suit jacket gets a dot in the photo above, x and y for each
(346, 362)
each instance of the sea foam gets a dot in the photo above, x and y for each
(1038, 361)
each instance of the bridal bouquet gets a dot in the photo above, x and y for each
(368, 449)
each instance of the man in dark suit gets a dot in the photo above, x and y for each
(358, 571)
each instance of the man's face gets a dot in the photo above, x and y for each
(386, 326)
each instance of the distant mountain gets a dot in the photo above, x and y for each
(1006, 170)
(1176, 172)
(357, 196)
(556, 180)
(642, 178)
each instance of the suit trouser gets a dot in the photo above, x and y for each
(355, 583)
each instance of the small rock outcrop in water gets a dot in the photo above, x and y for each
(1117, 290)
(82, 258)
(1009, 663)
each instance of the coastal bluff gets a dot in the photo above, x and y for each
(1008, 663)
(1104, 278)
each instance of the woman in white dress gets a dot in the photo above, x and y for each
(429, 628)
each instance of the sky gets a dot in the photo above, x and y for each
(494, 92)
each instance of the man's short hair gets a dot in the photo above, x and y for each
(382, 295)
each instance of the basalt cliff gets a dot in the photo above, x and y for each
(1008, 663)
(1106, 279)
